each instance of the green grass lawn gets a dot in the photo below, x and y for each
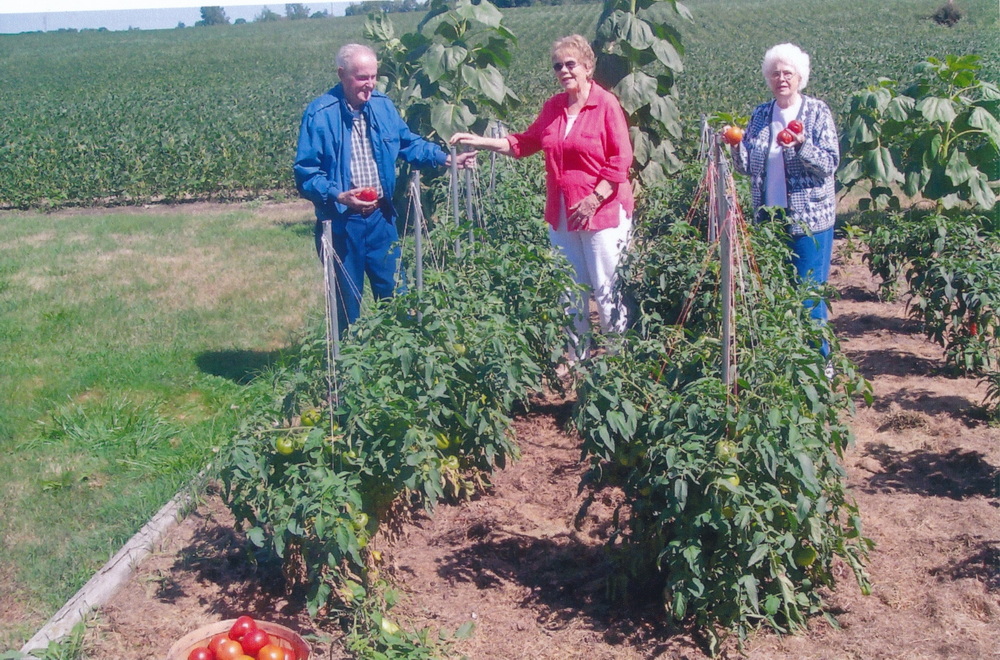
(128, 341)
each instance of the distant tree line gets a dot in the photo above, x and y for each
(293, 11)
(395, 6)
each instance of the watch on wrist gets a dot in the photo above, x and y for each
(599, 196)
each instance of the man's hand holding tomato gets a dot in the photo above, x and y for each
(362, 200)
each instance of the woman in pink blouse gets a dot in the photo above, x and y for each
(584, 136)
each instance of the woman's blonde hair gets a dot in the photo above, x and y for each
(580, 46)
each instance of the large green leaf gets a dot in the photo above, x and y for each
(879, 165)
(664, 110)
(485, 12)
(487, 81)
(439, 60)
(980, 190)
(849, 172)
(935, 108)
(959, 170)
(450, 118)
(641, 145)
(858, 132)
(900, 107)
(980, 118)
(667, 54)
(636, 90)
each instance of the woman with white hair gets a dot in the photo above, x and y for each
(790, 151)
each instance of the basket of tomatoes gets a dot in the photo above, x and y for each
(240, 639)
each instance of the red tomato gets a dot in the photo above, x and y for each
(786, 138)
(213, 645)
(229, 650)
(201, 653)
(254, 641)
(271, 652)
(795, 126)
(732, 135)
(367, 194)
(242, 626)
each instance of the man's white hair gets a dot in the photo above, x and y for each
(350, 52)
(791, 55)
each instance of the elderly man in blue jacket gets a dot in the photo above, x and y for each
(349, 141)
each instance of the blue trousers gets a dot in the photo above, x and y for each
(811, 257)
(364, 245)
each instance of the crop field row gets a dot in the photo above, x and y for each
(131, 117)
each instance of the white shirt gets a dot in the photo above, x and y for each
(776, 193)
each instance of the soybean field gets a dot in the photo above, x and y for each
(112, 118)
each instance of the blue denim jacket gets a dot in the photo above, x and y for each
(809, 170)
(323, 161)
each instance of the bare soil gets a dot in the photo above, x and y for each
(925, 471)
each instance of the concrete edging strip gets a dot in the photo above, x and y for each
(113, 575)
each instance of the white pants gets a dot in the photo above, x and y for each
(594, 256)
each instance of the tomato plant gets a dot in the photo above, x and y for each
(938, 137)
(726, 490)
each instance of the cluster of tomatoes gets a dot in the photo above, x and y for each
(733, 135)
(787, 136)
(245, 641)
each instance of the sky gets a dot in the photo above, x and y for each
(48, 15)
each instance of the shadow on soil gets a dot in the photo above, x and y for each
(957, 474)
(218, 556)
(983, 564)
(238, 366)
(567, 581)
(857, 325)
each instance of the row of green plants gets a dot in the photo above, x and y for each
(935, 139)
(735, 507)
(139, 116)
(735, 504)
(423, 394)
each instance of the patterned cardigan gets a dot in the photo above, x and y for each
(809, 169)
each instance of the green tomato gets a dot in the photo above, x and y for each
(726, 451)
(311, 416)
(442, 441)
(361, 521)
(804, 556)
(284, 445)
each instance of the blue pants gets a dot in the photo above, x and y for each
(811, 257)
(363, 245)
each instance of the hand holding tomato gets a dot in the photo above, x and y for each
(732, 135)
(367, 195)
(786, 138)
(796, 127)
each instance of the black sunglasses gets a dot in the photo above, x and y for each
(558, 66)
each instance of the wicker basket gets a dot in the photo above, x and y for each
(280, 635)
